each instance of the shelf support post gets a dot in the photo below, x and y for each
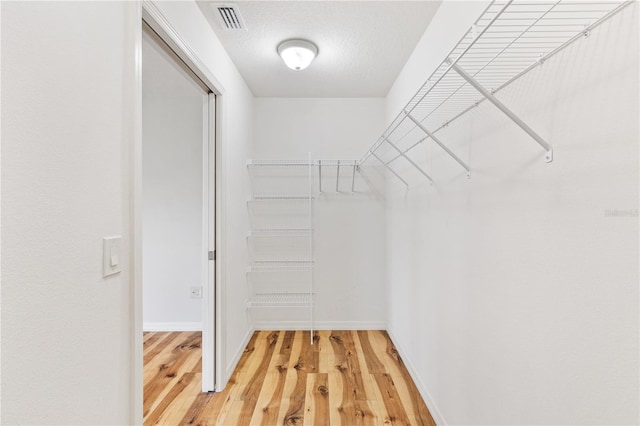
(353, 176)
(389, 168)
(409, 160)
(320, 175)
(337, 175)
(436, 140)
(548, 156)
(311, 247)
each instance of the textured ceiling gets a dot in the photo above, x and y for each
(363, 44)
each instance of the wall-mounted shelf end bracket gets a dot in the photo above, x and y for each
(548, 156)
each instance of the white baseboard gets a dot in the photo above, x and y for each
(320, 325)
(231, 366)
(172, 326)
(426, 396)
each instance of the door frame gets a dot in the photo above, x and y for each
(208, 243)
(213, 337)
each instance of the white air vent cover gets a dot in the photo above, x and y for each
(229, 16)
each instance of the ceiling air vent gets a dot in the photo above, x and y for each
(230, 16)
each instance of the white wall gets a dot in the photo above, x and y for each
(514, 296)
(349, 281)
(67, 114)
(67, 70)
(173, 108)
(236, 126)
(448, 26)
(0, 226)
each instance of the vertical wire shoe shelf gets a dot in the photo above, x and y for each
(507, 41)
(280, 243)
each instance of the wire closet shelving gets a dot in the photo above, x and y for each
(282, 235)
(507, 41)
(326, 168)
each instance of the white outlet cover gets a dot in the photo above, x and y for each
(196, 292)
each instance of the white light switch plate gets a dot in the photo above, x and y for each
(111, 259)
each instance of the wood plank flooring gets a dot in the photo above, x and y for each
(348, 378)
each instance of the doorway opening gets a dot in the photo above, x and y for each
(177, 209)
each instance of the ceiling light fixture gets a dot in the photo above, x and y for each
(297, 54)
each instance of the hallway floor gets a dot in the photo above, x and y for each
(345, 378)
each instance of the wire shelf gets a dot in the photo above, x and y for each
(286, 258)
(280, 197)
(281, 232)
(283, 174)
(278, 163)
(266, 300)
(280, 266)
(507, 41)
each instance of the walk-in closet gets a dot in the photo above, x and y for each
(321, 212)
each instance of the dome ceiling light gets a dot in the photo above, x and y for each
(297, 54)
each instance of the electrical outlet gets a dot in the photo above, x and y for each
(196, 292)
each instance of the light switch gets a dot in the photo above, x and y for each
(111, 256)
(114, 255)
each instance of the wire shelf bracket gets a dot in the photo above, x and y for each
(386, 166)
(508, 40)
(548, 156)
(408, 159)
(440, 144)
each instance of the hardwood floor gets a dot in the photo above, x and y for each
(345, 378)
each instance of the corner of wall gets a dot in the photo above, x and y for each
(231, 366)
(413, 372)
